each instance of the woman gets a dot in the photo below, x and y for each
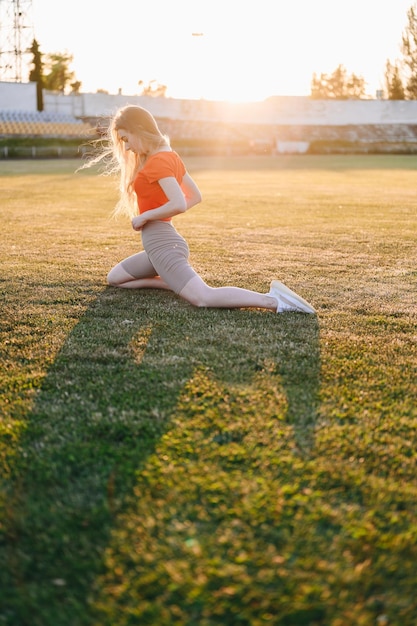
(153, 180)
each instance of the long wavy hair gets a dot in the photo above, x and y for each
(141, 123)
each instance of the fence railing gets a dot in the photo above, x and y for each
(41, 152)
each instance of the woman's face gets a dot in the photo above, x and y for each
(132, 142)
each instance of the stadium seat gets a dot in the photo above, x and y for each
(42, 124)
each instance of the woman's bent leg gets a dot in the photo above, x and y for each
(198, 293)
(135, 272)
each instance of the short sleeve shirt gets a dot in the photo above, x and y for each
(149, 192)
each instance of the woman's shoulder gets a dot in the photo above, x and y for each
(168, 158)
(165, 155)
(162, 164)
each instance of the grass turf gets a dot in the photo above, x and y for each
(166, 465)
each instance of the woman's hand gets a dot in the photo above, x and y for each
(138, 222)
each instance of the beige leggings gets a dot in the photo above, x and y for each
(165, 254)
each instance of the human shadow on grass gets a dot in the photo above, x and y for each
(109, 396)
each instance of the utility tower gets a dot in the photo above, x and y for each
(16, 36)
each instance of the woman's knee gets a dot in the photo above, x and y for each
(197, 300)
(112, 278)
(117, 276)
(197, 294)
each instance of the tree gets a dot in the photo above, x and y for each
(59, 76)
(76, 86)
(409, 50)
(153, 89)
(337, 86)
(36, 73)
(393, 82)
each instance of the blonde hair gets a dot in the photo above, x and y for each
(141, 123)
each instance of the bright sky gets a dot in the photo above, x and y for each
(248, 49)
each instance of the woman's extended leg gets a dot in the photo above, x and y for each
(198, 293)
(280, 298)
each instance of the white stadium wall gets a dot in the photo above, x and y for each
(17, 96)
(285, 110)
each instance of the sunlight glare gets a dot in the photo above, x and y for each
(222, 50)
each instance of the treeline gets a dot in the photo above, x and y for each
(400, 75)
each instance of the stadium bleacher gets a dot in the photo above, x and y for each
(227, 136)
(43, 124)
(369, 136)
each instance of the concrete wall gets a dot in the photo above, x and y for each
(277, 110)
(286, 110)
(17, 96)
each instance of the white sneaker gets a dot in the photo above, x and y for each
(287, 299)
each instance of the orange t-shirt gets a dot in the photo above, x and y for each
(149, 192)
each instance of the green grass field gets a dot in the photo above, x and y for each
(170, 466)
